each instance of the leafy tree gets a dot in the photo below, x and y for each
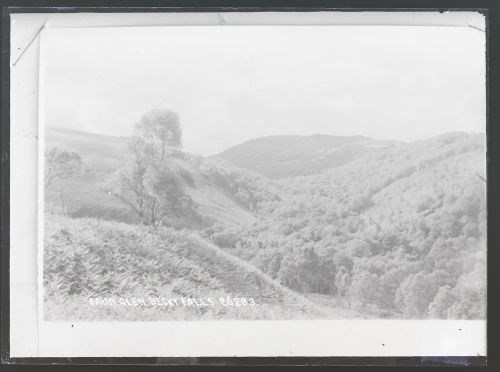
(364, 290)
(269, 261)
(343, 282)
(418, 291)
(471, 290)
(60, 165)
(445, 299)
(326, 274)
(149, 185)
(154, 134)
(358, 248)
(304, 271)
(342, 259)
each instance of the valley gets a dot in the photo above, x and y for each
(310, 226)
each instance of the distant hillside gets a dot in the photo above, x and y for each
(400, 233)
(89, 258)
(220, 191)
(287, 156)
(101, 152)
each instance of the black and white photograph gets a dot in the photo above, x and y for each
(263, 172)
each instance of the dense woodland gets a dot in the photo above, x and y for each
(399, 232)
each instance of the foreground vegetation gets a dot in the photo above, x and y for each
(88, 258)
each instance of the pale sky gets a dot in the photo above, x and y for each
(230, 84)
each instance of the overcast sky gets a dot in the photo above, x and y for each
(233, 83)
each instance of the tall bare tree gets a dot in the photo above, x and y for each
(147, 185)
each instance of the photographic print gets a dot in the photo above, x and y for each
(263, 173)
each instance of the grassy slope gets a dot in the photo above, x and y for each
(82, 196)
(103, 155)
(91, 258)
(100, 151)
